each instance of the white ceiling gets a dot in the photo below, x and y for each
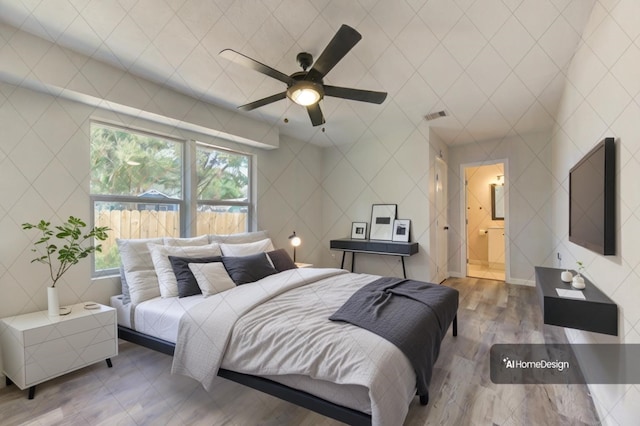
(495, 66)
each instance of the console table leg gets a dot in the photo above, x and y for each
(109, 364)
(353, 260)
(342, 263)
(404, 272)
(32, 392)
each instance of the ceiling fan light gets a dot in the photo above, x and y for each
(305, 96)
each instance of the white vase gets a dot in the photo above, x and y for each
(53, 302)
(566, 276)
(577, 282)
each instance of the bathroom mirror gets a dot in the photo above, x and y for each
(497, 202)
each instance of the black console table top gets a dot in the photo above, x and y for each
(389, 248)
(596, 312)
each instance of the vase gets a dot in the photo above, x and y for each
(53, 302)
(578, 282)
(566, 276)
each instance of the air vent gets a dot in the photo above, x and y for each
(434, 115)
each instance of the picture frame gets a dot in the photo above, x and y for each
(382, 217)
(401, 230)
(359, 230)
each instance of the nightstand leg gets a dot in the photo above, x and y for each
(109, 362)
(32, 392)
(7, 381)
(455, 326)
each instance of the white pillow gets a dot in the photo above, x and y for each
(241, 238)
(212, 278)
(167, 282)
(138, 268)
(247, 249)
(195, 241)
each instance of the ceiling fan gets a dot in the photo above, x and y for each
(304, 87)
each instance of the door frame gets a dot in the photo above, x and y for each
(441, 171)
(463, 214)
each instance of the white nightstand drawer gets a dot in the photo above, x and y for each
(65, 327)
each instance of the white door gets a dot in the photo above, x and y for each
(442, 225)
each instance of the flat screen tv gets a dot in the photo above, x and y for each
(592, 199)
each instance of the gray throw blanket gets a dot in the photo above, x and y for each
(413, 315)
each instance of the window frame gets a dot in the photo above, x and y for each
(188, 204)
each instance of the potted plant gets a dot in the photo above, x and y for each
(578, 281)
(62, 246)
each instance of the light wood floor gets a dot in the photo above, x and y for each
(139, 389)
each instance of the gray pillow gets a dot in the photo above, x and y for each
(248, 269)
(281, 260)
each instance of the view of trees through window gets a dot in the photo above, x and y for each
(137, 188)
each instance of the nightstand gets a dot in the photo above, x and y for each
(37, 348)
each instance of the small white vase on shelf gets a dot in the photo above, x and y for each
(53, 302)
(566, 276)
(577, 282)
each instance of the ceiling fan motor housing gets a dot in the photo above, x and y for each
(305, 60)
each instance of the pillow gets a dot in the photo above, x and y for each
(212, 278)
(246, 237)
(247, 269)
(195, 241)
(160, 255)
(187, 284)
(138, 268)
(126, 297)
(246, 249)
(281, 260)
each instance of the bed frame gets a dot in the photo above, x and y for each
(289, 394)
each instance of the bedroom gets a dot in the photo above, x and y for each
(44, 150)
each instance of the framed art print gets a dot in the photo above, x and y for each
(359, 231)
(401, 228)
(382, 217)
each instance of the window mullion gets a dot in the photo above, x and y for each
(189, 218)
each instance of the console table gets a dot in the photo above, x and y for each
(596, 312)
(389, 248)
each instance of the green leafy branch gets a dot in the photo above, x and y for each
(68, 247)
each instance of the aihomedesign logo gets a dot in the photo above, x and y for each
(542, 364)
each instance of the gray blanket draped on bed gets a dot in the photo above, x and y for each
(404, 312)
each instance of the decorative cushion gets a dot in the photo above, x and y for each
(195, 241)
(248, 269)
(160, 255)
(212, 278)
(246, 237)
(245, 249)
(138, 268)
(187, 284)
(281, 260)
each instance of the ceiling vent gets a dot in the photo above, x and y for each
(434, 115)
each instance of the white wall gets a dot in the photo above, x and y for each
(528, 208)
(602, 99)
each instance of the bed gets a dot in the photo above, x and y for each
(274, 335)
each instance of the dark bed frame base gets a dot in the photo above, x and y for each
(294, 396)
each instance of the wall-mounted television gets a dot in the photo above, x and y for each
(592, 199)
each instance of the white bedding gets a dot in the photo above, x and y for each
(289, 312)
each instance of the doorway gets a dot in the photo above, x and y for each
(485, 215)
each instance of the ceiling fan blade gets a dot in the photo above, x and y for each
(340, 45)
(355, 94)
(248, 62)
(263, 101)
(315, 114)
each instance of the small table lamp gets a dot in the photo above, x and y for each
(295, 242)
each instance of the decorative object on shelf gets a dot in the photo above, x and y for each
(566, 276)
(295, 242)
(577, 281)
(401, 228)
(359, 230)
(71, 246)
(382, 217)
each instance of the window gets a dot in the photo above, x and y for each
(143, 187)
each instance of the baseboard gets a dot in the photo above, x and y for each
(519, 281)
(455, 275)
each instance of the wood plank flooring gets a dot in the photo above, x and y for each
(139, 389)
